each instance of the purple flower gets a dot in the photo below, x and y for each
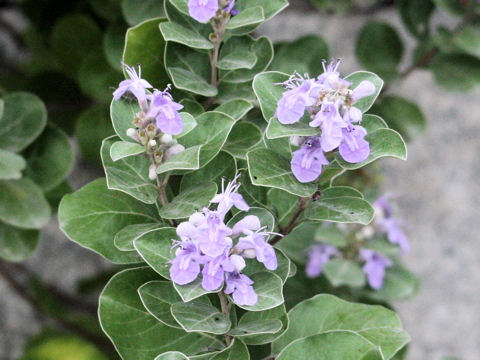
(254, 243)
(202, 10)
(318, 256)
(186, 265)
(230, 8)
(307, 161)
(354, 148)
(213, 235)
(374, 268)
(136, 85)
(230, 197)
(214, 271)
(165, 112)
(331, 123)
(241, 287)
(387, 224)
(293, 103)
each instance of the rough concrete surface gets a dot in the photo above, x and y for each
(439, 200)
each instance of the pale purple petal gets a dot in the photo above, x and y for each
(374, 268)
(184, 272)
(354, 148)
(241, 287)
(318, 256)
(365, 88)
(307, 161)
(248, 223)
(202, 10)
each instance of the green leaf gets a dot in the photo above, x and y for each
(93, 215)
(399, 284)
(122, 113)
(24, 118)
(416, 16)
(113, 44)
(379, 49)
(454, 7)
(189, 201)
(155, 247)
(49, 159)
(265, 217)
(189, 123)
(340, 191)
(235, 91)
(468, 40)
(50, 345)
(11, 165)
(182, 35)
(237, 350)
(192, 107)
(330, 235)
(72, 38)
(149, 57)
(402, 115)
(222, 166)
(136, 12)
(189, 159)
(284, 203)
(270, 7)
(383, 143)
(89, 141)
(336, 345)
(456, 72)
(123, 149)
(269, 169)
(345, 209)
(244, 136)
(23, 204)
(189, 70)
(135, 333)
(250, 16)
(157, 297)
(17, 244)
(282, 271)
(268, 94)
(211, 133)
(108, 10)
(261, 327)
(172, 355)
(268, 287)
(236, 109)
(198, 316)
(302, 55)
(128, 175)
(97, 78)
(125, 238)
(237, 60)
(177, 12)
(262, 48)
(356, 78)
(344, 272)
(326, 313)
(373, 122)
(2, 107)
(295, 243)
(277, 130)
(55, 195)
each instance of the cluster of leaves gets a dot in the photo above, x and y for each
(75, 49)
(35, 158)
(451, 54)
(229, 128)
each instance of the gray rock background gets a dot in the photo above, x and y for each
(439, 198)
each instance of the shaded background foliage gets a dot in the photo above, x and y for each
(62, 75)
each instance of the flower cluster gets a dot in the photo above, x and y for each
(158, 119)
(210, 247)
(374, 263)
(329, 102)
(204, 10)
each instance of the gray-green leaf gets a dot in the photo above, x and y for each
(198, 316)
(11, 165)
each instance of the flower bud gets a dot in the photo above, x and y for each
(152, 143)
(249, 254)
(174, 150)
(131, 132)
(197, 219)
(152, 172)
(238, 262)
(166, 139)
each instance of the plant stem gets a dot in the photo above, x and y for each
(226, 310)
(301, 205)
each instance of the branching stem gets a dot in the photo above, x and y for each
(301, 205)
(225, 306)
